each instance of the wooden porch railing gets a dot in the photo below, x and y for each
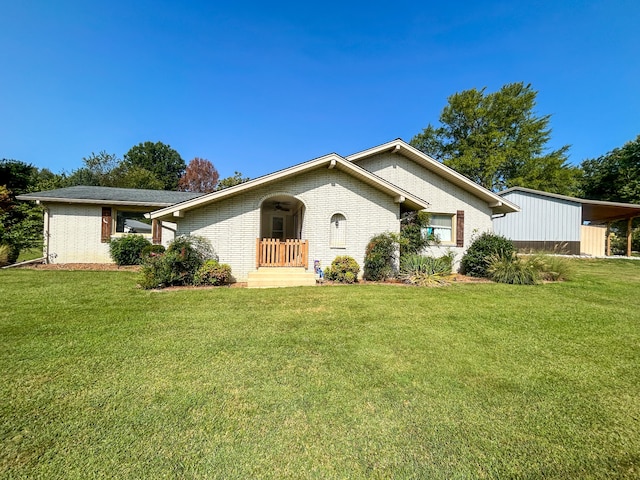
(273, 252)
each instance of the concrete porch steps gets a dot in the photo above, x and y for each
(270, 277)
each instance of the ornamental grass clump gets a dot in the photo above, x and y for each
(511, 269)
(551, 268)
(343, 269)
(426, 271)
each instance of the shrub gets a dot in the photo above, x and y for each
(178, 265)
(127, 250)
(511, 269)
(343, 269)
(212, 273)
(412, 238)
(157, 271)
(425, 270)
(380, 256)
(152, 250)
(474, 261)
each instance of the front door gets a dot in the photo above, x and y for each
(277, 227)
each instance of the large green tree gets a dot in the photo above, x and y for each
(498, 141)
(614, 176)
(107, 170)
(160, 159)
(20, 222)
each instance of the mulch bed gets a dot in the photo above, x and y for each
(82, 266)
(457, 278)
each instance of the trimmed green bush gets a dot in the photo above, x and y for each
(212, 273)
(127, 250)
(380, 256)
(343, 269)
(475, 260)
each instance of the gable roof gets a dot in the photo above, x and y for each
(110, 195)
(596, 211)
(399, 146)
(330, 161)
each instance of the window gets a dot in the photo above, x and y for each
(441, 227)
(132, 222)
(338, 229)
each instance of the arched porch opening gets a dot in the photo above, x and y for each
(281, 243)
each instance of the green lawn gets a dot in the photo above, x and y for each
(99, 379)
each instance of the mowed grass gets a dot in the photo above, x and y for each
(99, 379)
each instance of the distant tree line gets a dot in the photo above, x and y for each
(147, 165)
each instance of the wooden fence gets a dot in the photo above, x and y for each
(273, 252)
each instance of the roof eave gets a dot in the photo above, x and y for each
(92, 201)
(331, 161)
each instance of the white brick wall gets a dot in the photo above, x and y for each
(443, 196)
(75, 234)
(232, 225)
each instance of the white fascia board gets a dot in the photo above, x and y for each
(237, 189)
(329, 161)
(584, 201)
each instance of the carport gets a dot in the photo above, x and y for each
(605, 213)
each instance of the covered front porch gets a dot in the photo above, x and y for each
(282, 255)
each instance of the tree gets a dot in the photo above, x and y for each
(236, 179)
(160, 159)
(496, 140)
(132, 176)
(107, 170)
(200, 176)
(21, 223)
(614, 176)
(96, 170)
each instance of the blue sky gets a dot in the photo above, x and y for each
(259, 86)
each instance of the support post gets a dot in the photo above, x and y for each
(629, 231)
(608, 252)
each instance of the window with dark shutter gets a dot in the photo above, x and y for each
(105, 233)
(460, 228)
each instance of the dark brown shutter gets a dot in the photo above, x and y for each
(460, 228)
(156, 231)
(105, 234)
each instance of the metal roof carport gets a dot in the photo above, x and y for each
(596, 212)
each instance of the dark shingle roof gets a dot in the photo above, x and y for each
(110, 195)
